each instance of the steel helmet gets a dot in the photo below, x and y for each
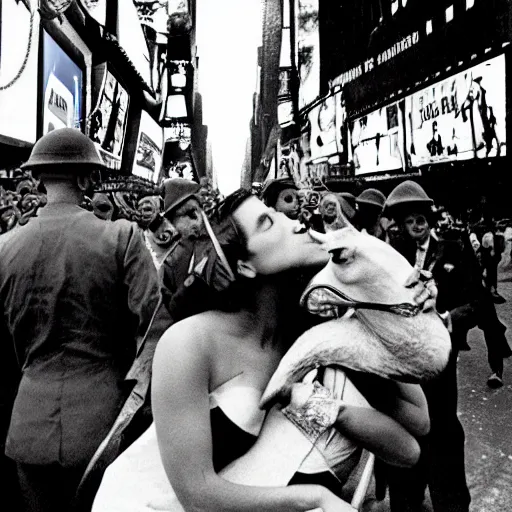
(176, 191)
(372, 197)
(66, 147)
(406, 197)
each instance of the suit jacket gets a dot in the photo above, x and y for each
(456, 272)
(77, 295)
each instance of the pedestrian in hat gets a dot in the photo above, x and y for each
(78, 295)
(183, 209)
(462, 297)
(370, 204)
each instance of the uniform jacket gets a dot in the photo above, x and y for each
(77, 295)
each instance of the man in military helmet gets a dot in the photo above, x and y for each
(77, 296)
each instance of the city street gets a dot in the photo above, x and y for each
(487, 417)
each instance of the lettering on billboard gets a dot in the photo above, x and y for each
(376, 141)
(459, 118)
(308, 40)
(390, 53)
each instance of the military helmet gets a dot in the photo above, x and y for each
(176, 191)
(64, 147)
(406, 198)
(372, 197)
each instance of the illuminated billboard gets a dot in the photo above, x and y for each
(109, 118)
(62, 88)
(18, 71)
(148, 158)
(459, 118)
(376, 141)
(308, 42)
(323, 129)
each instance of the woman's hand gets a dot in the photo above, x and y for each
(424, 287)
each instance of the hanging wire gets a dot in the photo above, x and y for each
(27, 55)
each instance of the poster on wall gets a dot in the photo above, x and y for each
(459, 118)
(308, 51)
(18, 77)
(107, 124)
(376, 141)
(341, 117)
(62, 88)
(148, 158)
(323, 129)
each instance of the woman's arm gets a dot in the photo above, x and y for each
(405, 403)
(180, 389)
(378, 433)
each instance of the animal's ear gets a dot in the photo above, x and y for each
(246, 269)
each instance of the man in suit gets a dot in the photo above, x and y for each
(77, 296)
(441, 464)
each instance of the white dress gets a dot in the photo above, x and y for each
(136, 481)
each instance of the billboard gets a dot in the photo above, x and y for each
(62, 88)
(459, 118)
(377, 141)
(308, 51)
(107, 122)
(323, 129)
(341, 117)
(18, 77)
(148, 158)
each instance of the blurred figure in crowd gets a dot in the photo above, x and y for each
(489, 246)
(282, 195)
(78, 296)
(102, 206)
(183, 210)
(332, 208)
(370, 204)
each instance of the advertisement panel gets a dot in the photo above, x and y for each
(323, 129)
(19, 33)
(308, 42)
(341, 117)
(62, 88)
(148, 158)
(376, 141)
(108, 119)
(459, 118)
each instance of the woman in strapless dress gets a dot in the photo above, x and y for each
(209, 373)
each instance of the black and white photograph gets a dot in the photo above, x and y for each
(255, 256)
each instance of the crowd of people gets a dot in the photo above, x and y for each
(142, 325)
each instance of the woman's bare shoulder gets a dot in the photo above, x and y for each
(199, 331)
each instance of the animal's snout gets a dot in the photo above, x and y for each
(340, 255)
